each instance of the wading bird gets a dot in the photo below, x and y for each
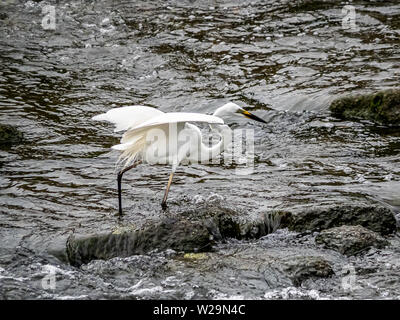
(154, 137)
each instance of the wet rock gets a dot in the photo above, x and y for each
(180, 235)
(382, 107)
(191, 230)
(259, 268)
(350, 240)
(301, 268)
(197, 229)
(9, 135)
(311, 5)
(373, 217)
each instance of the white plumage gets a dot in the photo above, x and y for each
(154, 137)
(127, 117)
(142, 123)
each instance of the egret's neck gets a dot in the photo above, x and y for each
(226, 138)
(220, 112)
(208, 153)
(225, 133)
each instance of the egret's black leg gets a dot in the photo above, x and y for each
(164, 202)
(119, 179)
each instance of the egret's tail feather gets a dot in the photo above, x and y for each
(122, 146)
(134, 143)
(134, 135)
(131, 151)
(100, 117)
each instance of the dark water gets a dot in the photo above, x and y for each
(284, 60)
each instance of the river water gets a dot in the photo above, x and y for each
(283, 60)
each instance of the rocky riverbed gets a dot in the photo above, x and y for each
(317, 217)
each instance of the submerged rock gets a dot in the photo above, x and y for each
(373, 217)
(191, 230)
(382, 107)
(9, 135)
(350, 240)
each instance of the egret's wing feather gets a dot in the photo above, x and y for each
(133, 141)
(167, 118)
(128, 117)
(125, 146)
(131, 149)
(133, 146)
(175, 117)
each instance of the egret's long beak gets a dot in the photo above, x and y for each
(250, 115)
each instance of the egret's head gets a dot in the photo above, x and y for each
(233, 110)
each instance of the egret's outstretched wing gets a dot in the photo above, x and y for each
(176, 117)
(165, 119)
(134, 140)
(128, 117)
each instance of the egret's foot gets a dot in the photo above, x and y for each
(164, 205)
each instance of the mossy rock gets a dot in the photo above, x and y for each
(373, 217)
(350, 240)
(311, 5)
(382, 107)
(166, 234)
(301, 268)
(192, 231)
(9, 135)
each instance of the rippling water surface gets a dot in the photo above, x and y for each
(284, 60)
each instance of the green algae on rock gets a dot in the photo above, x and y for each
(382, 107)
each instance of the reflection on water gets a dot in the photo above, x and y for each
(285, 60)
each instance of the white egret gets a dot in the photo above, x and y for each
(154, 137)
